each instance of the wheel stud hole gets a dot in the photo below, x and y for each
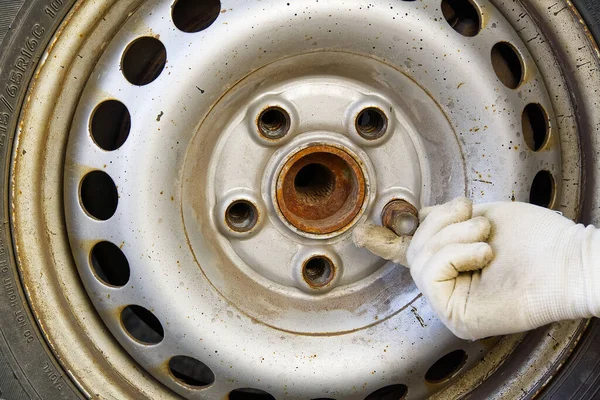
(191, 372)
(463, 16)
(535, 126)
(507, 64)
(241, 216)
(144, 60)
(194, 16)
(274, 123)
(314, 183)
(542, 190)
(446, 367)
(318, 271)
(142, 325)
(371, 123)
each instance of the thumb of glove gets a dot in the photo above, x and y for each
(382, 242)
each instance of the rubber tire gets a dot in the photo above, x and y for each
(28, 370)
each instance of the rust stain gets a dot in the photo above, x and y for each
(321, 189)
(396, 210)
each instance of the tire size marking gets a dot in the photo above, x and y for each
(15, 77)
(53, 8)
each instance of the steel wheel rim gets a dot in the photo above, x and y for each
(17, 228)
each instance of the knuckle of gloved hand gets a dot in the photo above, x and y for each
(483, 225)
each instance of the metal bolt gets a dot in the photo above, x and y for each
(401, 217)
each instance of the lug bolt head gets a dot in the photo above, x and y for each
(401, 217)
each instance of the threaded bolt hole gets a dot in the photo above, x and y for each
(371, 123)
(318, 271)
(274, 123)
(241, 216)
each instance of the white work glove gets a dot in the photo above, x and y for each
(498, 268)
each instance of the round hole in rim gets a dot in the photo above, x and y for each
(463, 16)
(391, 392)
(318, 271)
(536, 126)
(241, 216)
(371, 123)
(98, 195)
(250, 394)
(142, 325)
(446, 367)
(110, 264)
(543, 189)
(320, 189)
(110, 125)
(191, 372)
(144, 60)
(192, 16)
(507, 64)
(273, 123)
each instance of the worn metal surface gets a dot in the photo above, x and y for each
(194, 148)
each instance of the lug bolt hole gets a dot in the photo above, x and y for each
(371, 123)
(241, 216)
(274, 123)
(318, 271)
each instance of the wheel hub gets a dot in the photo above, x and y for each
(321, 189)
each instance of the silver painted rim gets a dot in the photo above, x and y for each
(198, 150)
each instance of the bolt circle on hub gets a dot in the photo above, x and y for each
(321, 189)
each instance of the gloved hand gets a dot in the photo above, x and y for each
(497, 268)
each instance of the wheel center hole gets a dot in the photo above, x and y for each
(314, 182)
(320, 189)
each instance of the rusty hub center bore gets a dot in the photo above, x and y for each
(321, 189)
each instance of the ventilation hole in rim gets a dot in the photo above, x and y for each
(110, 264)
(371, 123)
(507, 64)
(195, 15)
(250, 394)
(191, 372)
(446, 367)
(110, 125)
(142, 325)
(542, 189)
(274, 123)
(241, 216)
(144, 60)
(463, 16)
(536, 127)
(392, 392)
(99, 196)
(318, 271)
